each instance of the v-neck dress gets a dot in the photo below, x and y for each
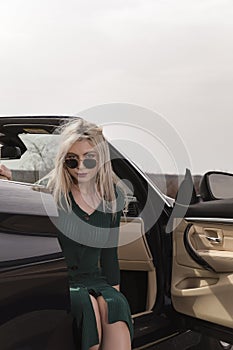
(89, 243)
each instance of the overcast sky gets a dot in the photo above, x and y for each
(170, 57)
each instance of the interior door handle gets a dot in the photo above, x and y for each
(214, 239)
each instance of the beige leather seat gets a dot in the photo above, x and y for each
(134, 254)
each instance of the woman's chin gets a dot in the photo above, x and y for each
(84, 179)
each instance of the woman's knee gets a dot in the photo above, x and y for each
(117, 302)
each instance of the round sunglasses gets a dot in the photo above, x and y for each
(73, 163)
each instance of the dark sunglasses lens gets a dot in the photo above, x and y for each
(89, 163)
(71, 163)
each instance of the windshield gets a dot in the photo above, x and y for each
(37, 161)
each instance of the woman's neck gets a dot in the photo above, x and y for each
(86, 188)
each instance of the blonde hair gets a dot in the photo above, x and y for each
(60, 180)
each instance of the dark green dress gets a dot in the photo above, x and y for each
(89, 244)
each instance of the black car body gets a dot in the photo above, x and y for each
(175, 277)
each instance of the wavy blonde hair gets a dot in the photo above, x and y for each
(60, 180)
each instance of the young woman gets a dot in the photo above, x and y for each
(90, 204)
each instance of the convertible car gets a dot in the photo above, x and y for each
(175, 256)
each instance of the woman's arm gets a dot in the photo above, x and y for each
(109, 256)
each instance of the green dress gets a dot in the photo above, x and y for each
(89, 244)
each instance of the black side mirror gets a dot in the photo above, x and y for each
(10, 152)
(185, 196)
(216, 185)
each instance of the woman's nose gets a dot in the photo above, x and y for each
(80, 161)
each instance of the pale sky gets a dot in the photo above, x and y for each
(171, 57)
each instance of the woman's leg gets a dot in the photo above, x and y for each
(98, 321)
(116, 336)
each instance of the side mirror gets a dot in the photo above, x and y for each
(216, 185)
(10, 152)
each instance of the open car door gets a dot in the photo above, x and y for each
(202, 271)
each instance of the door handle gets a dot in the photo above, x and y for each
(214, 239)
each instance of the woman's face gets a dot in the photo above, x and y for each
(81, 150)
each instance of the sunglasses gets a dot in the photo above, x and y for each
(73, 163)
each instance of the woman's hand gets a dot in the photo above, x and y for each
(5, 173)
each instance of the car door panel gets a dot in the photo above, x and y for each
(202, 276)
(34, 289)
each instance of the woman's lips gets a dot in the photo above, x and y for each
(82, 174)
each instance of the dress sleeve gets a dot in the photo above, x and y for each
(109, 257)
